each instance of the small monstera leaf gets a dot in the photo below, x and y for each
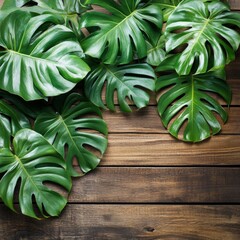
(185, 104)
(65, 126)
(30, 164)
(130, 82)
(117, 36)
(36, 61)
(202, 30)
(156, 50)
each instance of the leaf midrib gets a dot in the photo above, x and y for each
(26, 173)
(196, 40)
(122, 82)
(62, 121)
(116, 26)
(23, 55)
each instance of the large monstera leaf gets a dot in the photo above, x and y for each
(36, 61)
(185, 104)
(117, 36)
(131, 82)
(72, 125)
(26, 168)
(202, 30)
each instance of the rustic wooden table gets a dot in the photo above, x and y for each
(150, 186)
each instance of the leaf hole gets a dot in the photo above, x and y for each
(92, 149)
(30, 4)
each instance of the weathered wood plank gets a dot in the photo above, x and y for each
(128, 222)
(158, 185)
(163, 150)
(147, 120)
(235, 4)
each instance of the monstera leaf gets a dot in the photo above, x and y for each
(65, 126)
(187, 104)
(36, 61)
(115, 37)
(131, 81)
(26, 168)
(156, 50)
(204, 30)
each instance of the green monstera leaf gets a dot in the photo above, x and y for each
(116, 37)
(26, 168)
(156, 50)
(37, 61)
(131, 82)
(202, 30)
(65, 126)
(185, 104)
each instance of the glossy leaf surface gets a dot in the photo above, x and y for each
(37, 61)
(156, 50)
(131, 82)
(186, 106)
(202, 30)
(118, 35)
(65, 126)
(70, 10)
(26, 168)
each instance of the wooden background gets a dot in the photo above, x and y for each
(150, 186)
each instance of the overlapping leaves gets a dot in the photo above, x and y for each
(26, 163)
(41, 56)
(64, 125)
(204, 29)
(117, 36)
(31, 162)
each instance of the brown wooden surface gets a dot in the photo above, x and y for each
(125, 222)
(151, 186)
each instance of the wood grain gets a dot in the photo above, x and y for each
(235, 4)
(162, 149)
(159, 185)
(127, 222)
(147, 120)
